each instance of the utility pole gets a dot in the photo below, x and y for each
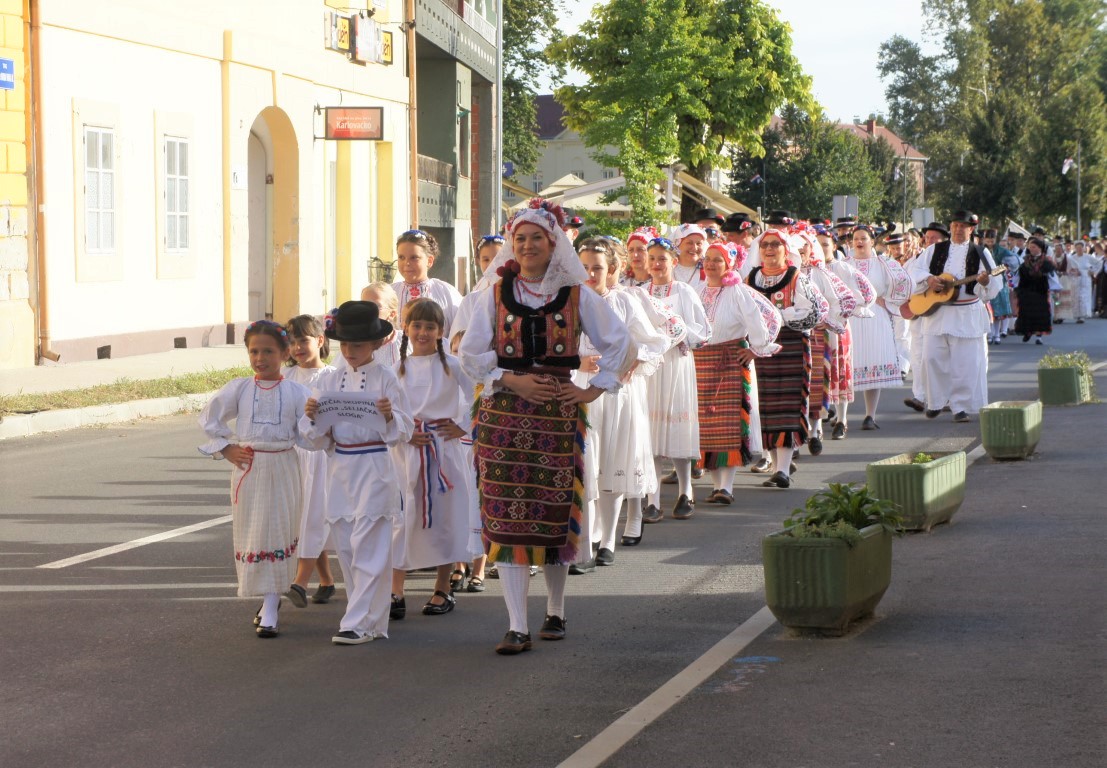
(904, 169)
(1079, 170)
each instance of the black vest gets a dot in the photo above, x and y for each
(972, 262)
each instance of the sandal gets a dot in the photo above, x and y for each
(457, 579)
(476, 584)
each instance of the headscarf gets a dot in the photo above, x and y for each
(784, 236)
(731, 254)
(564, 267)
(686, 230)
(645, 234)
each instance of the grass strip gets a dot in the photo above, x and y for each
(122, 391)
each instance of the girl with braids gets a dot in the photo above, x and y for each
(416, 252)
(435, 465)
(265, 472)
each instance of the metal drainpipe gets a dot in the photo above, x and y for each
(412, 114)
(38, 191)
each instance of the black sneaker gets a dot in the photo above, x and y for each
(553, 628)
(323, 594)
(398, 609)
(579, 569)
(605, 557)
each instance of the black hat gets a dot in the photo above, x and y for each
(988, 233)
(708, 213)
(964, 217)
(936, 226)
(737, 222)
(357, 321)
(779, 219)
(894, 239)
(845, 221)
(1016, 233)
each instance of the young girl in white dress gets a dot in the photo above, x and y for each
(619, 433)
(416, 252)
(671, 392)
(308, 349)
(436, 469)
(363, 491)
(265, 473)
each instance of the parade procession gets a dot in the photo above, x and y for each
(535, 383)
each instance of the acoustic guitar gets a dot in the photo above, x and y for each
(922, 304)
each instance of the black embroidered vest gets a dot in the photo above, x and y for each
(972, 262)
(549, 335)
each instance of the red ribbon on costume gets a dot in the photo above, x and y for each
(430, 469)
(253, 450)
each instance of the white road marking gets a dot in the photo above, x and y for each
(165, 535)
(615, 736)
(976, 453)
(111, 587)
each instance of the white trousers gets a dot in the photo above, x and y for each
(364, 549)
(956, 373)
(918, 360)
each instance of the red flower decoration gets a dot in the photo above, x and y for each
(511, 266)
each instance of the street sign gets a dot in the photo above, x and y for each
(7, 74)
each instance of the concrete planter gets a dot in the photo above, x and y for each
(1011, 429)
(824, 584)
(1064, 386)
(927, 494)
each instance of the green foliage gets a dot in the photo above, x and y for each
(841, 511)
(1067, 360)
(922, 458)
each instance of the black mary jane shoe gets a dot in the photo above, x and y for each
(713, 497)
(457, 580)
(605, 557)
(684, 508)
(398, 609)
(257, 616)
(553, 628)
(476, 584)
(630, 541)
(763, 467)
(869, 423)
(778, 480)
(815, 445)
(652, 514)
(839, 432)
(323, 594)
(437, 609)
(724, 497)
(513, 643)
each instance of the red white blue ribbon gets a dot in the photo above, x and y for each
(430, 471)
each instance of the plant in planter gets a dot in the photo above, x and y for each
(832, 562)
(1010, 429)
(927, 492)
(1065, 378)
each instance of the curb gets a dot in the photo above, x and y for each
(26, 425)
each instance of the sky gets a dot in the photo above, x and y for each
(837, 43)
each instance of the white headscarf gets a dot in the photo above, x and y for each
(791, 248)
(686, 230)
(564, 268)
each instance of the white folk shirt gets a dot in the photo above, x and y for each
(967, 320)
(690, 276)
(438, 291)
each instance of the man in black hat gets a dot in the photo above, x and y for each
(738, 229)
(954, 348)
(934, 233)
(708, 218)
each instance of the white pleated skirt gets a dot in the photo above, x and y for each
(875, 360)
(265, 514)
(674, 408)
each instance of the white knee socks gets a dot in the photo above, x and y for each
(843, 411)
(556, 576)
(723, 478)
(872, 397)
(633, 527)
(515, 580)
(269, 609)
(683, 469)
(782, 460)
(607, 512)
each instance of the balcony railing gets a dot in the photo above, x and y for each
(435, 171)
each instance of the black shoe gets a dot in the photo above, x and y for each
(792, 468)
(605, 557)
(947, 409)
(257, 616)
(815, 445)
(553, 628)
(722, 496)
(778, 480)
(869, 423)
(513, 643)
(762, 467)
(323, 594)
(398, 609)
(349, 637)
(697, 472)
(914, 404)
(961, 417)
(831, 415)
(476, 584)
(266, 632)
(684, 508)
(297, 595)
(1025, 338)
(1038, 341)
(630, 541)
(437, 609)
(579, 569)
(839, 432)
(652, 514)
(932, 414)
(669, 479)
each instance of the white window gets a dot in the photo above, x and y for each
(579, 174)
(99, 190)
(537, 184)
(608, 173)
(176, 194)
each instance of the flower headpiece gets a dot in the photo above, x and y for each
(328, 321)
(259, 324)
(550, 216)
(644, 234)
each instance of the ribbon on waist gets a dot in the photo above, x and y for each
(430, 471)
(238, 485)
(356, 449)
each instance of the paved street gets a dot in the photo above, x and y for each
(988, 649)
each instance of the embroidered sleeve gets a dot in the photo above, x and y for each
(216, 415)
(808, 306)
(763, 323)
(899, 282)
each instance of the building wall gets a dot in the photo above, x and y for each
(17, 324)
(215, 73)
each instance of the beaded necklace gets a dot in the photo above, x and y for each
(257, 383)
(521, 286)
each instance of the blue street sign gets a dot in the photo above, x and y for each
(7, 74)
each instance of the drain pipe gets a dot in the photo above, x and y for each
(38, 190)
(412, 113)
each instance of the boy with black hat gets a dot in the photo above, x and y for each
(954, 348)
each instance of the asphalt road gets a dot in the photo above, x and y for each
(988, 649)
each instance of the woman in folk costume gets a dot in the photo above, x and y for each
(522, 345)
(637, 270)
(824, 339)
(619, 429)
(690, 242)
(875, 362)
(671, 392)
(784, 379)
(265, 471)
(1063, 306)
(744, 325)
(1082, 267)
(840, 386)
(363, 492)
(1032, 288)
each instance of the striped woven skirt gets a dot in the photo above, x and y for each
(784, 389)
(839, 368)
(724, 387)
(820, 374)
(530, 469)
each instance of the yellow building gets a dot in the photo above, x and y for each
(182, 174)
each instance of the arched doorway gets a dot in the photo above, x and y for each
(273, 180)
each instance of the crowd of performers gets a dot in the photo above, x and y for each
(509, 428)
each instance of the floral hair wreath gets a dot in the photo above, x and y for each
(644, 234)
(551, 211)
(258, 324)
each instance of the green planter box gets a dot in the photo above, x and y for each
(824, 584)
(1011, 429)
(927, 494)
(1063, 386)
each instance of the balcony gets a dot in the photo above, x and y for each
(472, 43)
(437, 192)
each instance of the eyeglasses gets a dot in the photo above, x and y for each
(771, 244)
(711, 232)
(664, 242)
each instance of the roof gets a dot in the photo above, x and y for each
(550, 117)
(866, 131)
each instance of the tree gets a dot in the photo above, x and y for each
(529, 26)
(890, 169)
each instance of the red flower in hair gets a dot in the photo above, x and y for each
(538, 203)
(511, 266)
